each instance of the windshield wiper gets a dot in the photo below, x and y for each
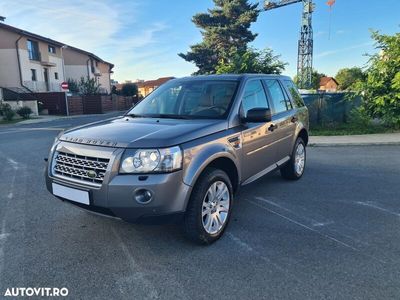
(168, 116)
(135, 116)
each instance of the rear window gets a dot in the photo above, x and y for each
(291, 87)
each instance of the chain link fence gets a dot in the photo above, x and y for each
(328, 108)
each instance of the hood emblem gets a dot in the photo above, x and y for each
(91, 174)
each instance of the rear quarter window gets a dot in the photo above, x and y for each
(291, 87)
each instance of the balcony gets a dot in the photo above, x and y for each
(34, 55)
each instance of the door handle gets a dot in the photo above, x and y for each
(272, 127)
(294, 119)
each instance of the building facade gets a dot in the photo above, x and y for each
(328, 84)
(80, 63)
(32, 62)
(146, 87)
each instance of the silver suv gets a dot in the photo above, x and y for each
(184, 151)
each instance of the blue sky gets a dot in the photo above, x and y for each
(142, 38)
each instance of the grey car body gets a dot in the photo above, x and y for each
(244, 150)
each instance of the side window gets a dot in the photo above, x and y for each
(254, 96)
(280, 101)
(298, 101)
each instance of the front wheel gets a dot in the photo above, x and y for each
(294, 169)
(209, 208)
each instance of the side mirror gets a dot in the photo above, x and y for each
(258, 115)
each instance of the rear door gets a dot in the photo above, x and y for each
(257, 140)
(283, 116)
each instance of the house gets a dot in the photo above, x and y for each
(146, 87)
(30, 62)
(328, 84)
(79, 63)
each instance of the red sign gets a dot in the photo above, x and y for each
(64, 85)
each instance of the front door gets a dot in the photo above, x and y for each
(257, 138)
(46, 78)
(283, 118)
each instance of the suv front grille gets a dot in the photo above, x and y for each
(78, 167)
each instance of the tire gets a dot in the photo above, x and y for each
(197, 227)
(289, 171)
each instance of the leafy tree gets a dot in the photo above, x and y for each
(381, 88)
(129, 89)
(347, 77)
(114, 90)
(73, 85)
(24, 112)
(315, 79)
(252, 61)
(6, 111)
(89, 86)
(225, 29)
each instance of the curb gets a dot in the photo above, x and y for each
(354, 144)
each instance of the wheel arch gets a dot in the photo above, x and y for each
(221, 160)
(304, 135)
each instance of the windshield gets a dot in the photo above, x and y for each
(184, 99)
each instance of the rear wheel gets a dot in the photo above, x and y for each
(294, 169)
(209, 208)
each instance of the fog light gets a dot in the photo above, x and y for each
(143, 196)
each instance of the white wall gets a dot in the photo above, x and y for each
(40, 85)
(31, 103)
(104, 80)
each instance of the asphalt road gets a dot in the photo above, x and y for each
(334, 234)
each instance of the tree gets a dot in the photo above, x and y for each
(88, 86)
(129, 89)
(315, 79)
(381, 88)
(114, 90)
(252, 61)
(73, 85)
(347, 77)
(225, 29)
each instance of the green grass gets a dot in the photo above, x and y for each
(349, 129)
(13, 121)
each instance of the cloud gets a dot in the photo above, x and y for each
(336, 51)
(110, 30)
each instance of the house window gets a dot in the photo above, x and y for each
(56, 75)
(33, 50)
(52, 49)
(33, 73)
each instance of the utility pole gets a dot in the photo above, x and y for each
(305, 44)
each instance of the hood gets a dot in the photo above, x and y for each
(127, 132)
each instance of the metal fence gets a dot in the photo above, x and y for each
(325, 108)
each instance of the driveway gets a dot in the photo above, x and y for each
(334, 234)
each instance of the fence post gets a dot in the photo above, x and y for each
(66, 103)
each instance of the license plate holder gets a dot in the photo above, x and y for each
(71, 194)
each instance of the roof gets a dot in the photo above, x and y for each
(50, 41)
(324, 80)
(153, 83)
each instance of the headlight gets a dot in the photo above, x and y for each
(151, 160)
(56, 140)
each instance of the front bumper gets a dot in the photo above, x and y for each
(115, 195)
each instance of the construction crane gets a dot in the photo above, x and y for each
(305, 47)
